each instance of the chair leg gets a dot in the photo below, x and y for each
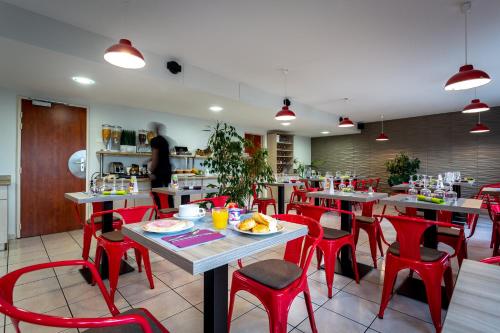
(354, 262)
(278, 316)
(379, 240)
(138, 258)
(114, 262)
(433, 291)
(372, 235)
(448, 282)
(310, 310)
(97, 263)
(147, 266)
(232, 294)
(319, 257)
(389, 279)
(356, 235)
(87, 239)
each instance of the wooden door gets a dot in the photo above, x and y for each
(49, 136)
(256, 140)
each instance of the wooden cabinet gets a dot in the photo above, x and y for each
(280, 147)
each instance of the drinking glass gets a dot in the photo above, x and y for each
(412, 191)
(450, 196)
(220, 216)
(342, 185)
(425, 191)
(350, 187)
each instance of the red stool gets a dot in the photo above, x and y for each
(333, 240)
(454, 235)
(133, 320)
(430, 264)
(116, 244)
(277, 282)
(263, 202)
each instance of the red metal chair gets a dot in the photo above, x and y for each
(116, 244)
(371, 225)
(87, 228)
(494, 212)
(375, 184)
(430, 264)
(219, 201)
(331, 243)
(277, 282)
(263, 202)
(454, 235)
(164, 211)
(491, 260)
(136, 320)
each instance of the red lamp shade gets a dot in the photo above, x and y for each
(475, 106)
(382, 137)
(124, 55)
(467, 78)
(285, 114)
(346, 122)
(479, 128)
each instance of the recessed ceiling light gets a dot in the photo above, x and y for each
(286, 124)
(325, 132)
(216, 108)
(83, 80)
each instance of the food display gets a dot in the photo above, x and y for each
(258, 224)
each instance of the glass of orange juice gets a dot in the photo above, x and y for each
(220, 215)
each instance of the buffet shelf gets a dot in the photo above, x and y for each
(134, 154)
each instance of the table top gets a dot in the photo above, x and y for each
(204, 257)
(491, 190)
(407, 186)
(84, 197)
(462, 205)
(475, 300)
(179, 191)
(348, 196)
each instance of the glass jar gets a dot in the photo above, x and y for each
(106, 135)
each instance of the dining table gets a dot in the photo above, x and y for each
(412, 287)
(281, 192)
(81, 198)
(344, 264)
(476, 296)
(457, 187)
(212, 259)
(185, 192)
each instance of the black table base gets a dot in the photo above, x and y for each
(215, 300)
(348, 271)
(87, 275)
(281, 200)
(415, 289)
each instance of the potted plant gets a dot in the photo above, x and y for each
(401, 168)
(236, 172)
(300, 168)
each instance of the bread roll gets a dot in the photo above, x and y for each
(247, 224)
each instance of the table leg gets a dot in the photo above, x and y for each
(185, 199)
(344, 265)
(215, 300)
(414, 288)
(281, 200)
(461, 218)
(107, 226)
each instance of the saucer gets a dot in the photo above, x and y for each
(189, 218)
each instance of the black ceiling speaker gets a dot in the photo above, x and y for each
(174, 67)
(361, 126)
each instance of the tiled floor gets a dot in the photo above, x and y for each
(177, 299)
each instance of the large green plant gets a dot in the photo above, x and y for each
(236, 173)
(401, 168)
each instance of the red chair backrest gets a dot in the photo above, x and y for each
(491, 260)
(375, 185)
(8, 281)
(265, 187)
(136, 214)
(300, 250)
(219, 201)
(163, 200)
(409, 231)
(316, 212)
(367, 208)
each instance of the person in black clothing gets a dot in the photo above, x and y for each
(161, 170)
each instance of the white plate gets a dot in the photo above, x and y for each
(279, 226)
(189, 218)
(187, 225)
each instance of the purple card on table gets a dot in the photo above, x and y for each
(190, 239)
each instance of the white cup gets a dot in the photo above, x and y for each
(191, 210)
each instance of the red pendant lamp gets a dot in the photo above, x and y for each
(285, 114)
(467, 77)
(475, 106)
(346, 122)
(479, 128)
(124, 55)
(382, 136)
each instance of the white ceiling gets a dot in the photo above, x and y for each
(386, 56)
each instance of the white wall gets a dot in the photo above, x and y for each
(8, 147)
(184, 131)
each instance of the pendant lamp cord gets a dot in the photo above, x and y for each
(466, 44)
(382, 116)
(285, 73)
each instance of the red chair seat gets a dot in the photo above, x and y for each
(365, 219)
(331, 233)
(273, 273)
(454, 232)
(132, 328)
(113, 236)
(426, 254)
